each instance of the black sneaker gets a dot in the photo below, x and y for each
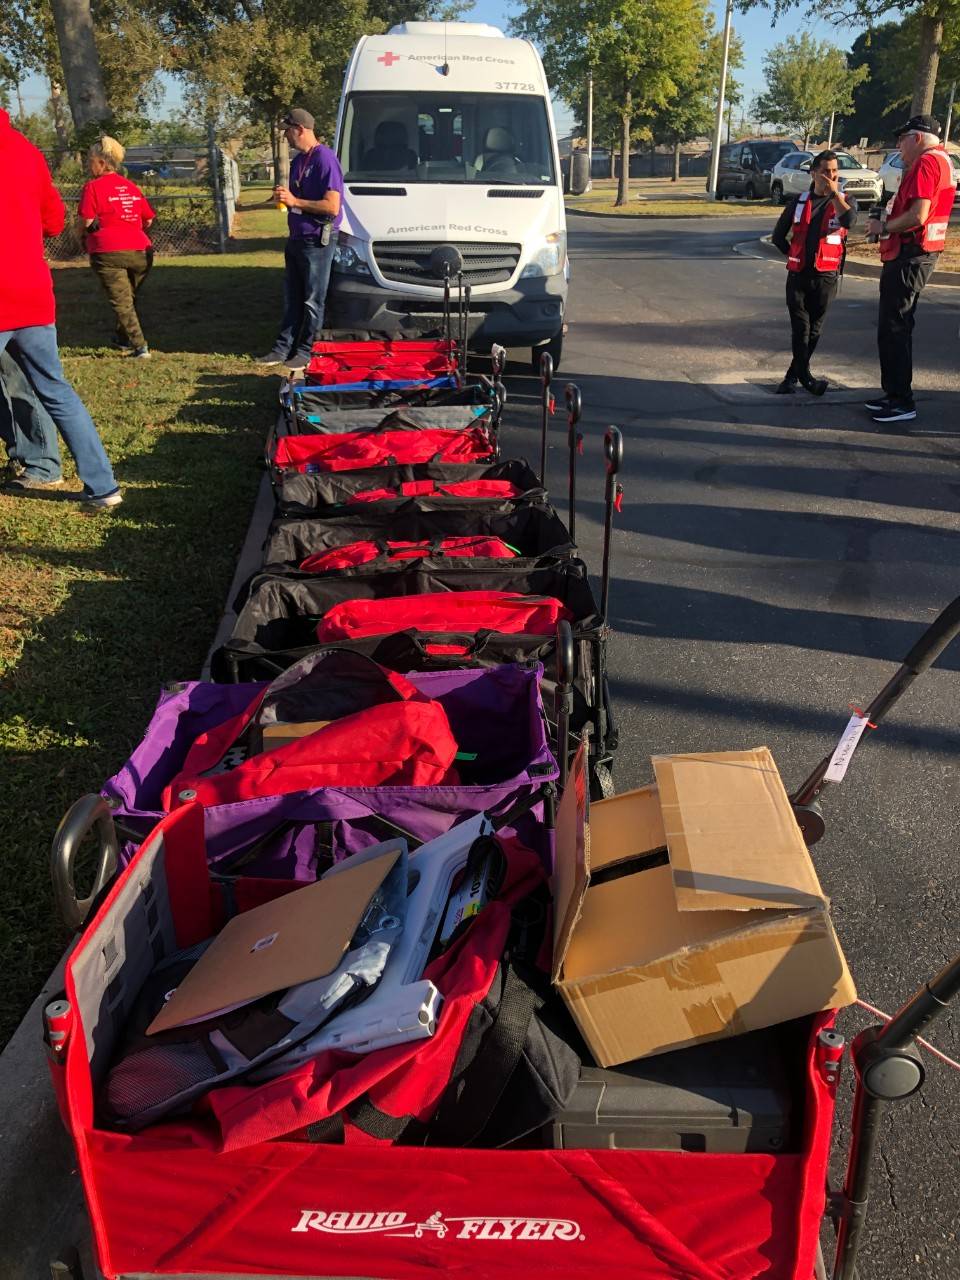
(273, 357)
(27, 483)
(788, 387)
(298, 361)
(877, 406)
(896, 412)
(92, 502)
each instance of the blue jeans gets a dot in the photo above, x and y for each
(35, 351)
(306, 277)
(26, 428)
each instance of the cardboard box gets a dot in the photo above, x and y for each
(729, 933)
(281, 732)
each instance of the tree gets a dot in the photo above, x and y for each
(691, 114)
(636, 51)
(807, 79)
(83, 75)
(933, 18)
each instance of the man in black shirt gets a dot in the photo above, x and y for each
(816, 223)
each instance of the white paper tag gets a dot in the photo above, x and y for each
(845, 749)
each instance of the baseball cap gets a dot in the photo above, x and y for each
(920, 124)
(299, 117)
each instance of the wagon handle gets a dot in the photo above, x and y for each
(613, 453)
(498, 360)
(79, 820)
(563, 699)
(546, 377)
(924, 653)
(499, 400)
(574, 400)
(888, 1069)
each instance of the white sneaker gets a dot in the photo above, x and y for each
(111, 499)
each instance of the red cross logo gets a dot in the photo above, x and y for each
(389, 58)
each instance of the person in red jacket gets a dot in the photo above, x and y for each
(114, 217)
(816, 222)
(30, 208)
(911, 238)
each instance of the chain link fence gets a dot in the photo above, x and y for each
(192, 218)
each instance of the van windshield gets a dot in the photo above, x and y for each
(447, 137)
(768, 153)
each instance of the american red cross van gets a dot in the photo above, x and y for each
(445, 134)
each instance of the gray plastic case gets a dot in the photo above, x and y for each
(728, 1096)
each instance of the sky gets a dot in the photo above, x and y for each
(753, 28)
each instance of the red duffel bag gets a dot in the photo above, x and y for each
(384, 731)
(358, 553)
(351, 450)
(458, 612)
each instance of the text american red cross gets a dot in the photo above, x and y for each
(389, 58)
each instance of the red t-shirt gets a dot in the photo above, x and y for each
(121, 209)
(30, 209)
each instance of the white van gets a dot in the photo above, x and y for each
(445, 134)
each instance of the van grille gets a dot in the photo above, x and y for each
(408, 261)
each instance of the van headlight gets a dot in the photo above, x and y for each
(549, 257)
(349, 257)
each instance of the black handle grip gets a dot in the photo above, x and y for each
(566, 656)
(77, 823)
(613, 450)
(546, 368)
(935, 639)
(571, 394)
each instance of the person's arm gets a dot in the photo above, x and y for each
(53, 215)
(327, 207)
(848, 217)
(915, 215)
(926, 183)
(86, 210)
(778, 236)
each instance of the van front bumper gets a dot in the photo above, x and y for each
(531, 312)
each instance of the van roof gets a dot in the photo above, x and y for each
(440, 28)
(478, 59)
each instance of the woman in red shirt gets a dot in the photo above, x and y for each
(114, 217)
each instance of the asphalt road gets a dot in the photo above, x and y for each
(775, 559)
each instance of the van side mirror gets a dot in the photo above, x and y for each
(805, 166)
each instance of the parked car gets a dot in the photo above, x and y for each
(745, 168)
(892, 170)
(791, 176)
(146, 169)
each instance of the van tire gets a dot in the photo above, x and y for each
(776, 193)
(718, 194)
(750, 192)
(554, 347)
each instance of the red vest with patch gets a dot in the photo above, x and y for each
(932, 236)
(830, 247)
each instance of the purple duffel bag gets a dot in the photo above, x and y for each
(497, 718)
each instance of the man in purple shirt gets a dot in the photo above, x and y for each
(313, 203)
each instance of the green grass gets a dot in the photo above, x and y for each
(666, 207)
(96, 612)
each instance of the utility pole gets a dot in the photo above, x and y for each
(590, 120)
(946, 127)
(721, 93)
(833, 115)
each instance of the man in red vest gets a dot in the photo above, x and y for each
(911, 238)
(817, 222)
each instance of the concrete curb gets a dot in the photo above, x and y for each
(862, 270)
(41, 1198)
(619, 217)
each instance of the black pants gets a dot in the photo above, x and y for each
(901, 283)
(809, 294)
